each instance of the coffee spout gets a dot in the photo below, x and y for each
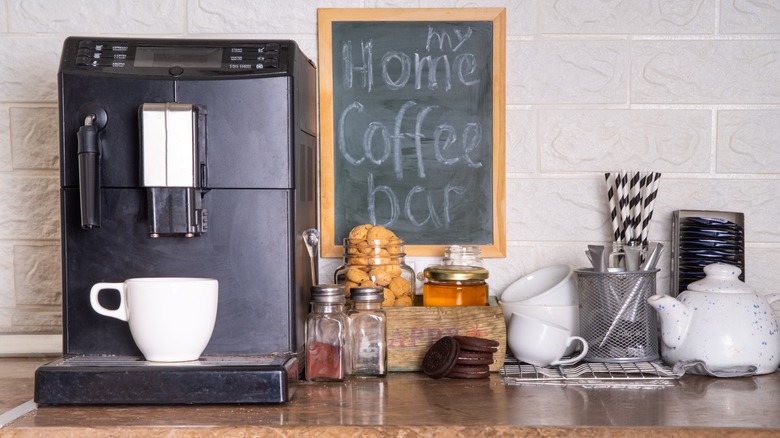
(171, 146)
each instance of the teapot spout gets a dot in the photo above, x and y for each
(675, 318)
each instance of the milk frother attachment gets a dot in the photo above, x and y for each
(89, 164)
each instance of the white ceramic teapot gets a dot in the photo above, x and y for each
(720, 321)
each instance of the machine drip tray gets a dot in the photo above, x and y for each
(82, 380)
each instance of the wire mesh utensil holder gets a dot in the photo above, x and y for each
(615, 318)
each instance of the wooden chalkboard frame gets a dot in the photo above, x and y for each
(326, 17)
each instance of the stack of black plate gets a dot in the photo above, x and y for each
(706, 240)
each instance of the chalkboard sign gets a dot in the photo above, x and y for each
(412, 126)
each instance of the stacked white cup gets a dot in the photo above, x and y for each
(548, 294)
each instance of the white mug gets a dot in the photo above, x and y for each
(553, 285)
(541, 343)
(564, 316)
(171, 319)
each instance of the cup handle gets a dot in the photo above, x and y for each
(119, 313)
(577, 358)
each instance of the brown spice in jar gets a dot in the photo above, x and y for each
(324, 361)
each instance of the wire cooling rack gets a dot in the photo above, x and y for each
(613, 375)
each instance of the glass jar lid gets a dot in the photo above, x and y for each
(455, 273)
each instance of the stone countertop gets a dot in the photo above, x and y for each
(411, 404)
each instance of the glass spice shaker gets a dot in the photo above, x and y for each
(368, 332)
(326, 334)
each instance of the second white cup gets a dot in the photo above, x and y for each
(541, 343)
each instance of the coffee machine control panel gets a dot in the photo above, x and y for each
(185, 56)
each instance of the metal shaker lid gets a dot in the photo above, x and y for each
(328, 294)
(367, 294)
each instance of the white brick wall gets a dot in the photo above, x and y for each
(690, 88)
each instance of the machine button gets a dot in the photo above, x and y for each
(175, 71)
(82, 60)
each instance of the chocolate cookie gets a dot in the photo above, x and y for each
(441, 357)
(470, 343)
(474, 358)
(469, 372)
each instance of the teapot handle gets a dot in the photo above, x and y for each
(772, 297)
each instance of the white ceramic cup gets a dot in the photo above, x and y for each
(567, 316)
(541, 343)
(553, 285)
(171, 319)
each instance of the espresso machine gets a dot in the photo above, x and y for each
(185, 158)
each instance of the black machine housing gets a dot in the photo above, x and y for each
(253, 194)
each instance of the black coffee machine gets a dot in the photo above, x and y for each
(185, 158)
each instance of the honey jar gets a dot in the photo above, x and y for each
(455, 285)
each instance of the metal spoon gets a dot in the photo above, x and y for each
(311, 238)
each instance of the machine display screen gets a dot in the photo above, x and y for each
(208, 57)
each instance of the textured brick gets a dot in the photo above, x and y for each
(747, 142)
(546, 72)
(7, 292)
(37, 275)
(28, 72)
(69, 17)
(754, 16)
(764, 280)
(723, 72)
(3, 21)
(520, 14)
(611, 140)
(549, 210)
(246, 16)
(5, 140)
(6, 318)
(520, 141)
(29, 207)
(37, 321)
(35, 139)
(630, 17)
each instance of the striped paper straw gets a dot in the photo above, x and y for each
(611, 189)
(622, 188)
(649, 203)
(634, 209)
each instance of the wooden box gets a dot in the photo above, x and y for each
(412, 330)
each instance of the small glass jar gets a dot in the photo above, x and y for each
(455, 286)
(462, 255)
(326, 334)
(367, 332)
(379, 263)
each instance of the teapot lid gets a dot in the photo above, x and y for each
(722, 278)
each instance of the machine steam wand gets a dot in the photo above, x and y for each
(89, 173)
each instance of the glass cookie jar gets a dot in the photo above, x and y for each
(379, 262)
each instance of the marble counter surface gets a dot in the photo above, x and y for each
(411, 404)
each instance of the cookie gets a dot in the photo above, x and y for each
(469, 372)
(441, 357)
(470, 343)
(474, 358)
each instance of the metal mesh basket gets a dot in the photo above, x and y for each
(615, 318)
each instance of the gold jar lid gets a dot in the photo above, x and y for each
(455, 273)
